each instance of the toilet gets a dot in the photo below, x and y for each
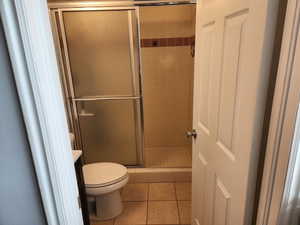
(103, 182)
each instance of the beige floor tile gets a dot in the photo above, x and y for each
(168, 157)
(134, 213)
(183, 191)
(104, 222)
(162, 212)
(161, 191)
(184, 212)
(135, 192)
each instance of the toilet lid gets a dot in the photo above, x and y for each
(103, 174)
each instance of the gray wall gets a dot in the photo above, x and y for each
(20, 202)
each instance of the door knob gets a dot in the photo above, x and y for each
(192, 133)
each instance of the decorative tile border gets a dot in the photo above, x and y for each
(167, 42)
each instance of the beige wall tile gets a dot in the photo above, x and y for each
(184, 212)
(183, 191)
(167, 21)
(168, 93)
(135, 192)
(167, 81)
(134, 213)
(168, 157)
(162, 212)
(162, 191)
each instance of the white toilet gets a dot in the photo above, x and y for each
(103, 181)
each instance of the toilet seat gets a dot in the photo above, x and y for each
(97, 175)
(103, 182)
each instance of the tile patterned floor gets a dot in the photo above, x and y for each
(154, 204)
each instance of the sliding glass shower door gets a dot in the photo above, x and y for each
(101, 52)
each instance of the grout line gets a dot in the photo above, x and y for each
(147, 203)
(164, 201)
(162, 182)
(148, 190)
(177, 204)
(173, 200)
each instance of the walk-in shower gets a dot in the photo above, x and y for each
(127, 77)
(167, 38)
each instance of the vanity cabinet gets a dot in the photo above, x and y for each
(81, 188)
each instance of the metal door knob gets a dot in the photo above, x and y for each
(192, 133)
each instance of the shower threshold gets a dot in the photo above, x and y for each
(153, 175)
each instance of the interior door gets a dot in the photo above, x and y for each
(234, 41)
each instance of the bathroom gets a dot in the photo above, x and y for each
(127, 78)
(151, 112)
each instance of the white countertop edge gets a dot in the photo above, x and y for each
(76, 154)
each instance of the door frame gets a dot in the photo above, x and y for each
(37, 78)
(282, 122)
(31, 49)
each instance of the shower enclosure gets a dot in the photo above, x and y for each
(127, 77)
(167, 38)
(100, 55)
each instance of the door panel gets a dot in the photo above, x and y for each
(100, 46)
(232, 53)
(221, 203)
(205, 68)
(109, 130)
(232, 65)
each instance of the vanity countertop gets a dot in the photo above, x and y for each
(76, 154)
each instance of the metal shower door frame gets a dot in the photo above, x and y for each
(56, 16)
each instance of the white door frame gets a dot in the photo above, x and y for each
(283, 120)
(31, 48)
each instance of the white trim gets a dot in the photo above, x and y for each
(80, 4)
(28, 33)
(282, 122)
(290, 201)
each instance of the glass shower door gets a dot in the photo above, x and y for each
(103, 57)
(108, 130)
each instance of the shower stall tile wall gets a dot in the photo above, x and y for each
(168, 84)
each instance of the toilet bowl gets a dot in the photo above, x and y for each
(103, 181)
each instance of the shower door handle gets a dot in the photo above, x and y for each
(192, 133)
(83, 113)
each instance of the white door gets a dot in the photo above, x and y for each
(234, 41)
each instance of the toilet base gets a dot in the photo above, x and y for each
(109, 206)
